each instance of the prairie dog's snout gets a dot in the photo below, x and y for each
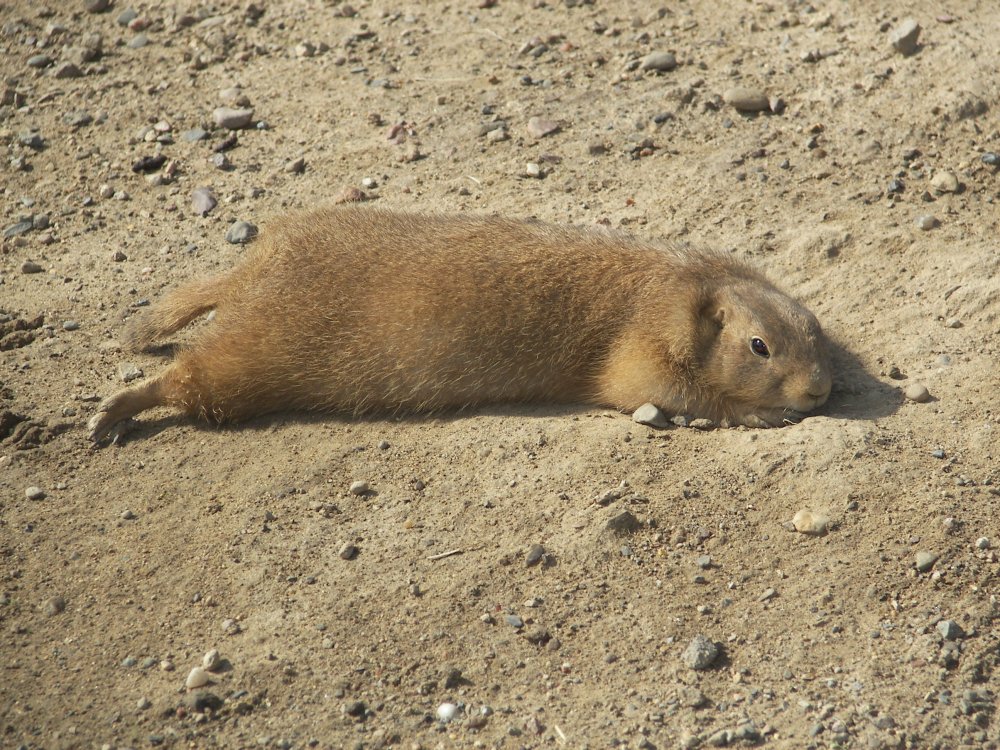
(464, 310)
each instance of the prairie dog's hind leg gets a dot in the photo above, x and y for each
(126, 403)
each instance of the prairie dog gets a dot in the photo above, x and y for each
(357, 309)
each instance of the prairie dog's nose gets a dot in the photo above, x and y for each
(819, 384)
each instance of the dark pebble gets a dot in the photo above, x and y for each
(39, 61)
(990, 158)
(25, 225)
(535, 555)
(148, 164)
(623, 523)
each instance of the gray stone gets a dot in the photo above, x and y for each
(347, 551)
(904, 37)
(535, 555)
(96, 6)
(661, 62)
(950, 630)
(359, 487)
(514, 621)
(29, 266)
(54, 606)
(34, 493)
(203, 200)
(926, 222)
(138, 41)
(924, 561)
(623, 524)
(67, 70)
(21, 227)
(32, 139)
(232, 118)
(700, 653)
(129, 372)
(127, 16)
(241, 232)
(39, 61)
(193, 135)
(746, 99)
(651, 416)
(539, 127)
(917, 392)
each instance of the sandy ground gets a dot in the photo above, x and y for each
(135, 560)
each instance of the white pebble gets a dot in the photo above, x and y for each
(34, 493)
(808, 522)
(945, 182)
(982, 543)
(746, 99)
(917, 392)
(197, 678)
(447, 711)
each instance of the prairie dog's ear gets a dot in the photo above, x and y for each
(714, 311)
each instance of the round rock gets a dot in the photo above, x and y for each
(809, 522)
(926, 222)
(917, 392)
(746, 99)
(661, 62)
(447, 711)
(945, 182)
(197, 678)
(700, 653)
(211, 660)
(34, 493)
(359, 487)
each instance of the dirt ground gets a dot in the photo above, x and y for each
(870, 192)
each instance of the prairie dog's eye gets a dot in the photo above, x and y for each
(758, 347)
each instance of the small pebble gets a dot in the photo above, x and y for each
(347, 551)
(808, 522)
(34, 493)
(532, 169)
(514, 621)
(924, 561)
(127, 515)
(623, 523)
(194, 135)
(211, 660)
(539, 127)
(359, 487)
(70, 325)
(904, 37)
(917, 392)
(54, 606)
(129, 372)
(990, 159)
(945, 182)
(232, 118)
(983, 543)
(746, 99)
(700, 653)
(138, 41)
(926, 222)
(39, 61)
(447, 712)
(950, 630)
(143, 703)
(96, 6)
(29, 266)
(650, 415)
(203, 200)
(241, 232)
(702, 424)
(704, 562)
(535, 555)
(659, 61)
(128, 662)
(197, 678)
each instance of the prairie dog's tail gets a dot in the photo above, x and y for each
(172, 313)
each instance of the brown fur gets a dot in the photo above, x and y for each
(358, 310)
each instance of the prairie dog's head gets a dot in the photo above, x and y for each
(768, 352)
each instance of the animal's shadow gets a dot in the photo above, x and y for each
(856, 395)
